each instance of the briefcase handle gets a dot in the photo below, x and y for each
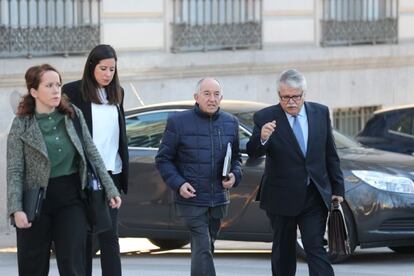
(335, 204)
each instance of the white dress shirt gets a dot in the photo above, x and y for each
(105, 129)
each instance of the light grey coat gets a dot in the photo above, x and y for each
(28, 164)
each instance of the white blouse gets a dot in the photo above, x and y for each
(105, 129)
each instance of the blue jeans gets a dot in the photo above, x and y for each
(204, 225)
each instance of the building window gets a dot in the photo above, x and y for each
(48, 27)
(201, 25)
(351, 120)
(347, 22)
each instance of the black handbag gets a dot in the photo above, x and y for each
(338, 239)
(94, 196)
(32, 203)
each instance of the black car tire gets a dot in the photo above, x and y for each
(169, 244)
(300, 251)
(403, 249)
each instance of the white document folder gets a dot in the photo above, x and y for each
(227, 162)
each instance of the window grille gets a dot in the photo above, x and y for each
(347, 22)
(48, 27)
(201, 25)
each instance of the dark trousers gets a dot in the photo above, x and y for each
(312, 223)
(108, 243)
(204, 225)
(63, 221)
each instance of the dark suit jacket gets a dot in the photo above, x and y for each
(284, 182)
(73, 91)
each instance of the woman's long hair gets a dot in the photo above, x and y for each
(89, 87)
(33, 76)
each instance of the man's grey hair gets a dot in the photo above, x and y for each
(292, 78)
(198, 85)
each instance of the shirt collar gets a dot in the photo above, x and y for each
(301, 114)
(53, 114)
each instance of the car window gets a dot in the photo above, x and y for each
(243, 138)
(146, 130)
(374, 126)
(403, 125)
(246, 119)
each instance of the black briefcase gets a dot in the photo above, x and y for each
(338, 239)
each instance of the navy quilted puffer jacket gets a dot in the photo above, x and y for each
(193, 149)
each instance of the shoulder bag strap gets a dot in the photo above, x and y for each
(78, 128)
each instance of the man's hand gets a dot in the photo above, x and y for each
(115, 202)
(229, 182)
(267, 130)
(20, 219)
(338, 198)
(187, 191)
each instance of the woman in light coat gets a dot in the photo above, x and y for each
(43, 149)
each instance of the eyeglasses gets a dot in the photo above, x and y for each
(295, 98)
(208, 94)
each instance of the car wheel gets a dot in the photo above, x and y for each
(169, 244)
(403, 249)
(334, 258)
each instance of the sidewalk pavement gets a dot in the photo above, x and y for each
(8, 238)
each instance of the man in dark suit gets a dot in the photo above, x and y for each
(302, 174)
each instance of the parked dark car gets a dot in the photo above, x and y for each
(390, 129)
(379, 201)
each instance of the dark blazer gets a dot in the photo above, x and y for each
(284, 182)
(73, 91)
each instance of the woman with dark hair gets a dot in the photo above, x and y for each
(100, 97)
(44, 150)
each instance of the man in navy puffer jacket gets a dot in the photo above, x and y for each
(190, 160)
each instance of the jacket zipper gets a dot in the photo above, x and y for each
(212, 161)
(220, 142)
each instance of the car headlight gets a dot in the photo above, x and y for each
(386, 182)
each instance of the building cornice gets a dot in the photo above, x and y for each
(268, 68)
(159, 65)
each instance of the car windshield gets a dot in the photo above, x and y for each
(246, 119)
(341, 140)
